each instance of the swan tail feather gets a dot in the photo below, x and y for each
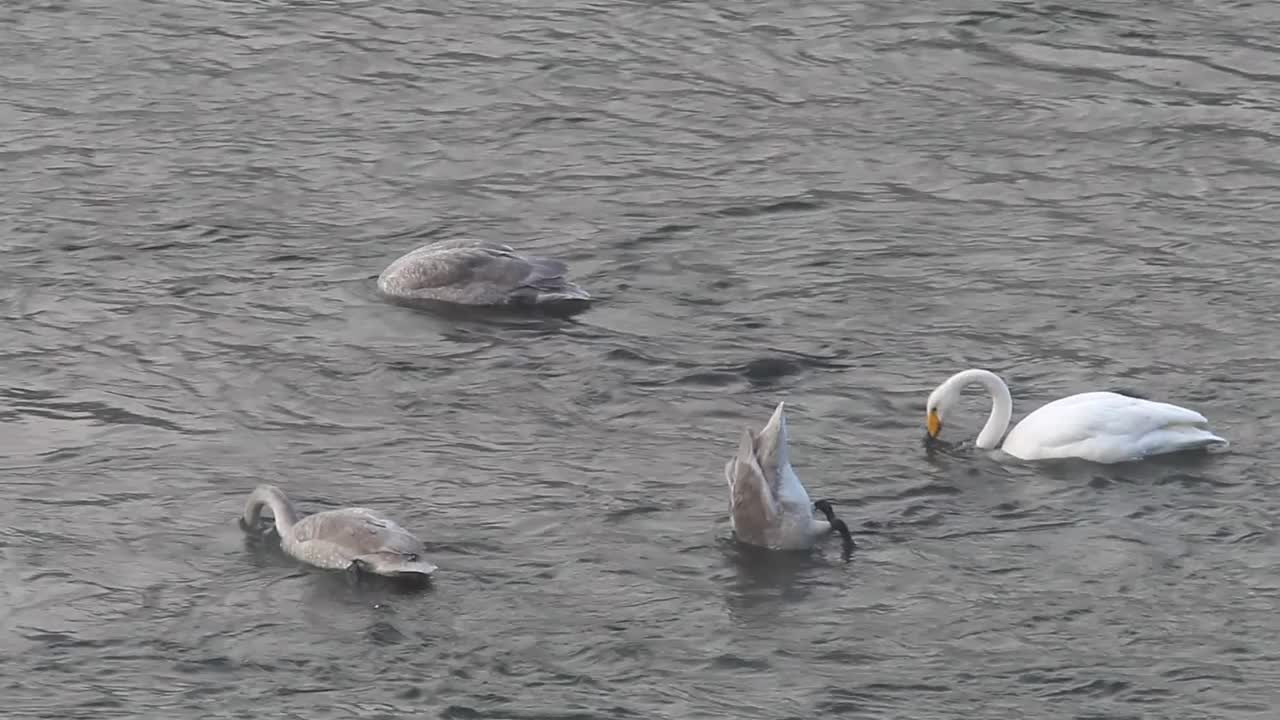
(391, 565)
(1185, 438)
(566, 294)
(771, 444)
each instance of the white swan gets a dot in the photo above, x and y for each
(768, 506)
(464, 271)
(1104, 427)
(346, 539)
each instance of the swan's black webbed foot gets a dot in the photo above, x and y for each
(357, 570)
(838, 525)
(845, 536)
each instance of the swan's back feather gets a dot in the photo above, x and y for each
(1108, 427)
(477, 272)
(360, 530)
(336, 538)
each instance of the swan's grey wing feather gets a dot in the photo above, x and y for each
(751, 501)
(358, 531)
(442, 268)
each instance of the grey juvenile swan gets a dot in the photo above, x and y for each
(464, 271)
(356, 539)
(768, 506)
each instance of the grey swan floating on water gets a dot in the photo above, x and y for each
(768, 506)
(356, 539)
(464, 271)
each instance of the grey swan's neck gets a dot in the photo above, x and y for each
(270, 496)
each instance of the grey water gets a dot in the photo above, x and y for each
(835, 204)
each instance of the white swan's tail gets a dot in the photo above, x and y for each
(1183, 438)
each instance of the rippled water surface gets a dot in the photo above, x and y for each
(835, 204)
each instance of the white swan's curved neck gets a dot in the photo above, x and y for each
(281, 509)
(1001, 404)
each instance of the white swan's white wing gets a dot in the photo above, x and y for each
(1107, 427)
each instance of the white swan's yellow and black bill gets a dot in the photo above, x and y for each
(934, 424)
